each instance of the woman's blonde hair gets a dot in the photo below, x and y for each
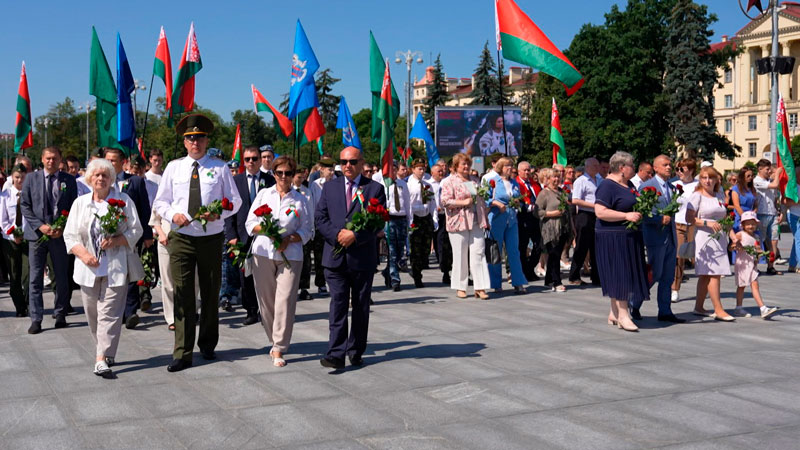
(712, 173)
(545, 174)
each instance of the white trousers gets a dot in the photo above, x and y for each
(469, 242)
(276, 288)
(104, 307)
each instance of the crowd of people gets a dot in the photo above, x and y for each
(121, 227)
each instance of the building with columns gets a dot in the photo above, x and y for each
(742, 102)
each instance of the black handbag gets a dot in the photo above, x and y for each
(493, 255)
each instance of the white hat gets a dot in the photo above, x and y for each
(705, 164)
(337, 168)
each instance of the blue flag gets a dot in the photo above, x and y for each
(420, 131)
(348, 127)
(303, 93)
(126, 123)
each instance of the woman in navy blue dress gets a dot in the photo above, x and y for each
(620, 250)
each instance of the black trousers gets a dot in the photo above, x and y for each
(348, 287)
(584, 243)
(529, 231)
(442, 247)
(553, 275)
(305, 272)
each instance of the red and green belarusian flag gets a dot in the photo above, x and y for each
(162, 67)
(522, 41)
(308, 126)
(237, 147)
(559, 150)
(23, 136)
(261, 104)
(386, 115)
(788, 179)
(183, 95)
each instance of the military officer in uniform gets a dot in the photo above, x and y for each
(424, 219)
(187, 184)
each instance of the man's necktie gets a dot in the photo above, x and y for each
(349, 196)
(252, 187)
(396, 198)
(18, 219)
(195, 199)
(49, 201)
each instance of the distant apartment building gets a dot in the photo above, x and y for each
(742, 103)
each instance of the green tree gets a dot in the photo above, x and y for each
(691, 76)
(254, 130)
(486, 90)
(437, 93)
(328, 103)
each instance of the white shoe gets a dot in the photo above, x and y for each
(768, 311)
(565, 266)
(781, 261)
(674, 297)
(539, 272)
(101, 368)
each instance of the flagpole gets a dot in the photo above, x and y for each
(502, 107)
(147, 109)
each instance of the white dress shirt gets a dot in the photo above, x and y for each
(418, 208)
(437, 192)
(636, 180)
(216, 182)
(405, 200)
(688, 190)
(284, 210)
(8, 212)
(316, 189)
(584, 188)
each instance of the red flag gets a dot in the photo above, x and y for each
(24, 130)
(261, 104)
(385, 114)
(183, 95)
(313, 128)
(141, 150)
(237, 147)
(162, 67)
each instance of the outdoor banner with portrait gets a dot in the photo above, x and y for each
(478, 130)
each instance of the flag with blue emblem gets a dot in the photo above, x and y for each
(348, 126)
(420, 131)
(303, 92)
(126, 122)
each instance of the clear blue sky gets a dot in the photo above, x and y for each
(251, 42)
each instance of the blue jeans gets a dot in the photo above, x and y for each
(231, 282)
(504, 231)
(396, 237)
(794, 224)
(662, 261)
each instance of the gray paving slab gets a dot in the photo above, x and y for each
(542, 370)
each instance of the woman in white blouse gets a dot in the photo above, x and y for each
(276, 282)
(104, 264)
(13, 242)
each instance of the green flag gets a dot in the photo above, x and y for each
(377, 66)
(788, 179)
(102, 86)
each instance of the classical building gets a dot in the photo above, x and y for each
(460, 89)
(742, 103)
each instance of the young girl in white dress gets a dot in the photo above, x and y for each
(746, 268)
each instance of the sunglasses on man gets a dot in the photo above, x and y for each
(344, 162)
(194, 137)
(251, 159)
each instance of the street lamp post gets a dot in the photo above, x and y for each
(87, 107)
(408, 57)
(140, 86)
(46, 122)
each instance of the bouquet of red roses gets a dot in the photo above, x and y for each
(483, 189)
(216, 207)
(673, 206)
(57, 225)
(726, 223)
(238, 253)
(373, 219)
(563, 198)
(645, 201)
(270, 227)
(756, 252)
(16, 232)
(426, 193)
(516, 202)
(110, 221)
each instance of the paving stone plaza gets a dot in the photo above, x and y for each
(542, 370)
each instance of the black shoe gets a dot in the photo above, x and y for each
(131, 322)
(145, 305)
(635, 314)
(418, 283)
(35, 328)
(208, 355)
(250, 319)
(322, 290)
(446, 279)
(396, 287)
(61, 322)
(387, 280)
(178, 364)
(305, 295)
(333, 363)
(355, 360)
(670, 318)
(469, 282)
(371, 301)
(226, 306)
(70, 310)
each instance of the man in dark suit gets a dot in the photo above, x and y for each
(45, 194)
(349, 274)
(248, 183)
(528, 222)
(136, 189)
(660, 238)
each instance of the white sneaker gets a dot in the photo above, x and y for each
(781, 261)
(674, 297)
(539, 272)
(101, 368)
(740, 312)
(565, 265)
(768, 311)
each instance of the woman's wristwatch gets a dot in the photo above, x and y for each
(705, 223)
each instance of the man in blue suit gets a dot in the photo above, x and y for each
(45, 194)
(248, 184)
(660, 239)
(349, 274)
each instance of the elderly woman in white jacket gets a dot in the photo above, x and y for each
(276, 281)
(104, 264)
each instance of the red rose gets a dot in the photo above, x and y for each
(679, 188)
(633, 191)
(231, 255)
(11, 230)
(771, 256)
(413, 226)
(733, 214)
(112, 202)
(64, 212)
(492, 183)
(263, 210)
(140, 283)
(374, 202)
(120, 203)
(659, 194)
(226, 204)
